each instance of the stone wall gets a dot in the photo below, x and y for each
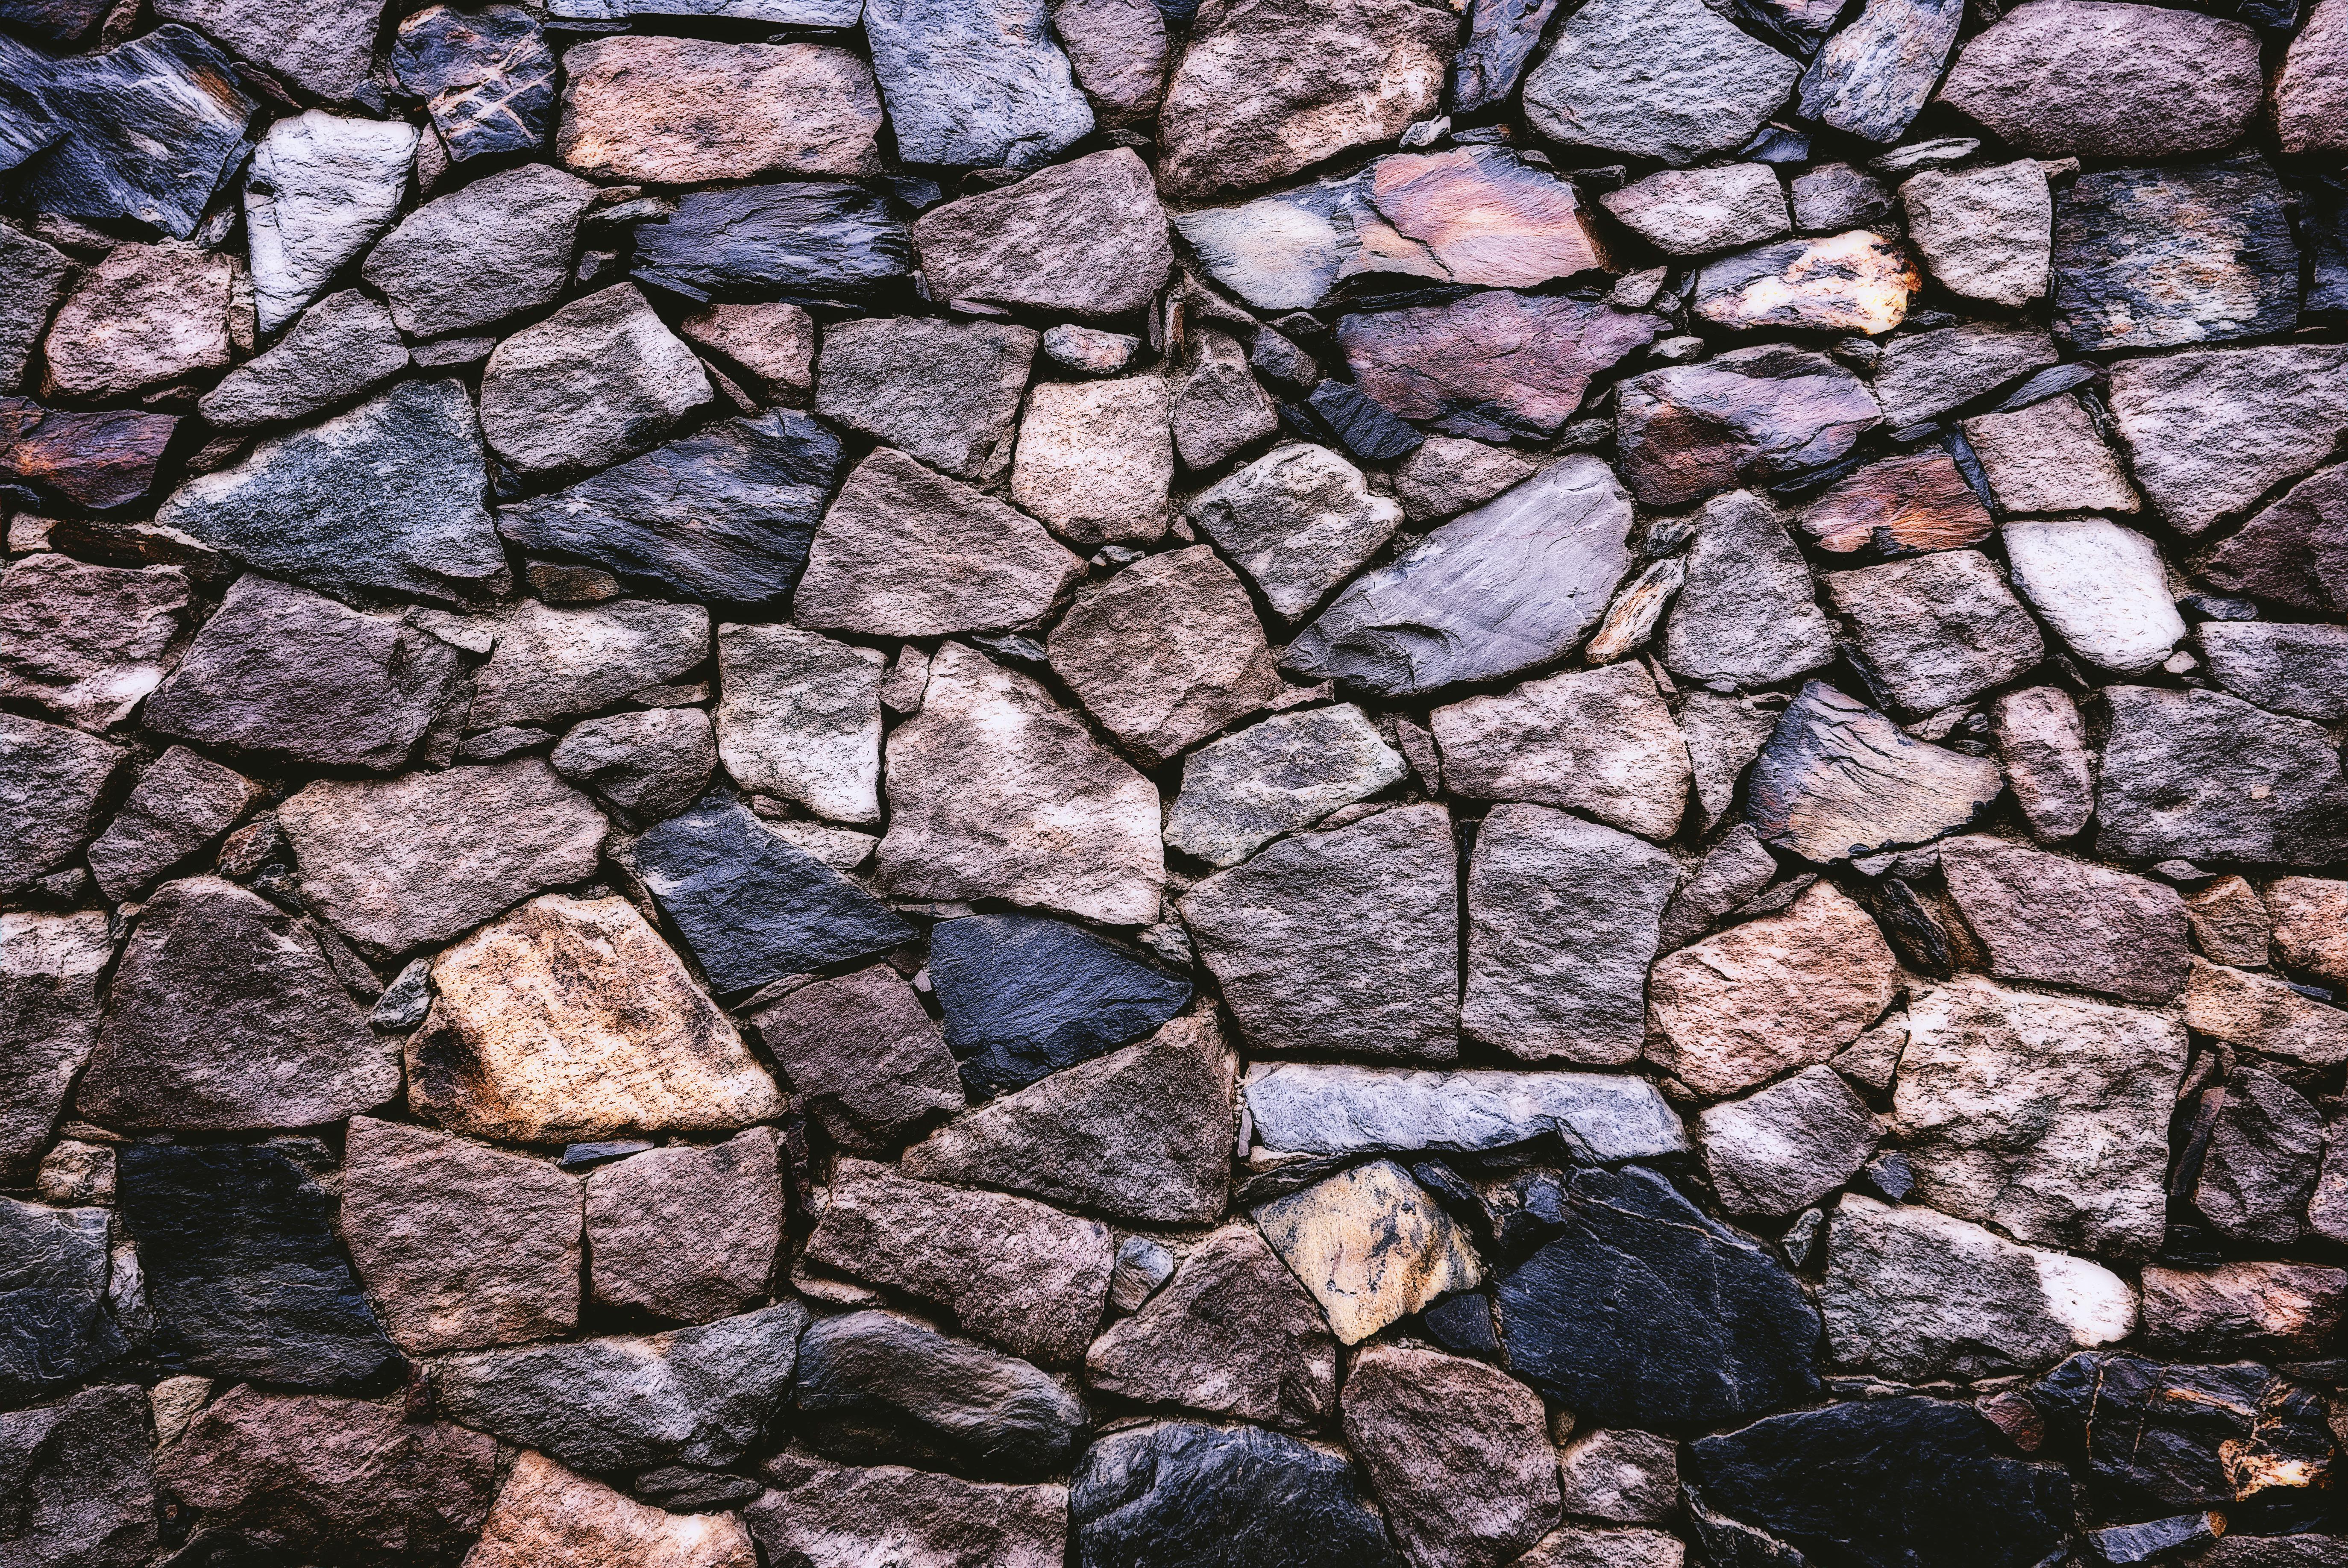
(1200, 784)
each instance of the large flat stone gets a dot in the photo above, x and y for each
(1312, 1108)
(1672, 81)
(946, 392)
(1298, 521)
(1096, 459)
(50, 965)
(143, 315)
(1179, 1494)
(1494, 365)
(1688, 431)
(985, 84)
(800, 237)
(87, 643)
(680, 111)
(546, 1511)
(82, 1479)
(2153, 258)
(2211, 432)
(1087, 237)
(324, 49)
(2198, 773)
(1837, 779)
(1025, 997)
(2067, 923)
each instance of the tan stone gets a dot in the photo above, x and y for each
(547, 1515)
(774, 342)
(2265, 1014)
(143, 315)
(2261, 1309)
(2047, 457)
(2230, 922)
(1095, 459)
(2311, 926)
(677, 111)
(1594, 1546)
(1762, 998)
(1600, 741)
(571, 1019)
(1371, 1246)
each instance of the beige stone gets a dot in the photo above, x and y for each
(1095, 459)
(1598, 741)
(677, 111)
(547, 1515)
(1371, 1246)
(2264, 1014)
(2311, 926)
(2047, 458)
(144, 316)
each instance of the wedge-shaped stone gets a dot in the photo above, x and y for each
(842, 1516)
(492, 248)
(1458, 1452)
(1838, 779)
(2265, 1013)
(2211, 432)
(571, 1019)
(1939, 630)
(87, 643)
(1494, 365)
(1025, 997)
(341, 347)
(54, 783)
(321, 188)
(1184, 1495)
(1874, 76)
(545, 1512)
(1298, 521)
(2067, 923)
(1310, 1109)
(1282, 775)
(681, 111)
(1748, 612)
(1780, 1151)
(601, 379)
(870, 1062)
(1371, 1245)
(1924, 375)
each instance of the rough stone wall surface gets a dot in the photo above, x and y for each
(1173, 783)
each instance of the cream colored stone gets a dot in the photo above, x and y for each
(1371, 1246)
(1095, 459)
(548, 1517)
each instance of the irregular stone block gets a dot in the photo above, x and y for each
(144, 316)
(1371, 1245)
(2043, 746)
(49, 1011)
(679, 111)
(81, 1480)
(1939, 630)
(55, 1326)
(1025, 997)
(1873, 75)
(834, 1516)
(324, 49)
(2264, 1014)
(1087, 237)
(1316, 1109)
(2200, 774)
(1986, 233)
(1811, 792)
(87, 643)
(1688, 431)
(545, 1511)
(873, 1065)
(2047, 457)
(599, 380)
(485, 77)
(1458, 1452)
(801, 717)
(648, 764)
(2259, 1163)
(2299, 670)
(2283, 1310)
(1673, 81)
(2210, 433)
(34, 276)
(1279, 776)
(875, 1387)
(1778, 1152)
(1298, 521)
(2065, 922)
(2311, 926)
(1857, 282)
(1494, 365)
(804, 236)
(549, 664)
(1118, 49)
(52, 785)
(2310, 91)
(1219, 410)
(967, 85)
(100, 460)
(772, 342)
(1747, 613)
(2223, 265)
(321, 188)
(946, 392)
(1095, 459)
(1697, 211)
(495, 248)
(1183, 1495)
(687, 1233)
(342, 347)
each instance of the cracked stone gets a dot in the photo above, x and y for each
(1872, 77)
(1673, 81)
(1838, 779)
(1856, 282)
(2299, 670)
(1927, 373)
(1298, 521)
(1780, 1151)
(1689, 431)
(800, 237)
(485, 77)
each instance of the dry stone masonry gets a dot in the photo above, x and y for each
(1173, 783)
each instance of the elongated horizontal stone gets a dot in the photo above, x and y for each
(1315, 1109)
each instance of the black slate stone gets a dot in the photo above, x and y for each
(809, 238)
(60, 21)
(724, 516)
(1874, 76)
(1185, 1496)
(245, 1276)
(1889, 1483)
(2151, 258)
(145, 132)
(1025, 997)
(486, 74)
(1365, 428)
(54, 1326)
(753, 908)
(1463, 1325)
(1502, 38)
(877, 1388)
(1645, 1311)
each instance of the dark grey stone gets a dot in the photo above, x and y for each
(1502, 38)
(487, 251)
(55, 1328)
(485, 73)
(77, 1482)
(1874, 76)
(808, 237)
(874, 1388)
(341, 346)
(2201, 775)
(1180, 1495)
(969, 83)
(52, 785)
(1747, 614)
(2158, 1437)
(2151, 258)
(1365, 428)
(1025, 997)
(32, 282)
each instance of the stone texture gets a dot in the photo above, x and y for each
(53, 783)
(2047, 457)
(1448, 475)
(50, 965)
(2211, 432)
(2224, 266)
(904, 552)
(1689, 431)
(1939, 630)
(646, 764)
(1777, 1151)
(2200, 773)
(553, 663)
(2311, 926)
(1087, 237)
(546, 1513)
(98, 459)
(87, 643)
(2042, 747)
(1597, 1546)
(1458, 1452)
(772, 343)
(343, 348)
(975, 84)
(1025, 997)
(2242, 1309)
(35, 276)
(1277, 777)
(1927, 373)
(599, 380)
(1623, 1477)
(1118, 51)
(996, 791)
(871, 1063)
(2294, 669)
(877, 1388)
(1673, 81)
(1181, 1495)
(144, 316)
(799, 717)
(81, 1480)
(321, 188)
(1371, 1245)
(1731, 873)
(1513, 585)
(686, 1232)
(677, 111)
(1269, 87)
(2259, 1167)
(1873, 75)
(54, 1320)
(2310, 91)
(485, 77)
(2092, 78)
(1233, 1334)
(1855, 281)
(323, 49)
(227, 1016)
(2264, 1014)
(459, 1245)
(802, 236)
(1009, 1269)
(1985, 233)
(2067, 923)
(2230, 923)
(2044, 1115)
(1298, 521)
(944, 392)
(1717, 1329)
(1095, 459)
(570, 1020)
(1344, 940)
(495, 248)
(1494, 365)
(1697, 211)
(1315, 1109)
(286, 677)
(1837, 779)
(1561, 924)
(1142, 1134)
(837, 1516)
(1218, 409)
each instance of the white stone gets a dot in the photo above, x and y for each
(320, 189)
(1317, 1109)
(798, 715)
(2101, 587)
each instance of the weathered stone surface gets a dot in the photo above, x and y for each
(1180, 1495)
(485, 77)
(692, 1396)
(1458, 1452)
(2311, 926)
(836, 1516)
(1697, 211)
(1095, 459)
(1625, 1477)
(871, 1063)
(1873, 75)
(55, 1328)
(1298, 521)
(599, 380)
(1747, 614)
(1009, 1269)
(81, 1482)
(996, 791)
(2043, 746)
(1986, 233)
(460, 1245)
(1492, 365)
(551, 663)
(1689, 431)
(1514, 584)
(425, 857)
(1371, 1245)
(1219, 410)
(2067, 923)
(1671, 81)
(905, 552)
(492, 248)
(243, 1270)
(803, 236)
(1718, 1330)
(227, 1016)
(87, 643)
(96, 459)
(570, 1020)
(2224, 266)
(1345, 940)
(1270, 88)
(1732, 872)
(1025, 997)
(1913, 1294)
(49, 970)
(2044, 1115)
(946, 392)
(2259, 1167)
(2264, 1014)
(1790, 991)
(1141, 1134)
(2092, 78)
(1118, 51)
(1597, 1546)
(2211, 432)
(2293, 669)
(287, 676)
(2047, 457)
(342, 347)
(1448, 475)
(1502, 38)
(1277, 777)
(677, 111)
(1723, 735)
(2230, 923)
(1232, 1335)
(648, 763)
(974, 84)
(773, 344)
(2198, 773)
(1778, 1152)
(144, 316)
(321, 187)
(1837, 779)
(1087, 237)
(1925, 374)
(2310, 91)
(801, 717)
(52, 784)
(1330, 1109)
(1855, 281)
(686, 1232)
(546, 1513)
(389, 496)
(1561, 925)
(2286, 1310)
(34, 276)
(1841, 1481)
(1939, 630)
(324, 49)
(1472, 216)
(1166, 653)
(874, 1388)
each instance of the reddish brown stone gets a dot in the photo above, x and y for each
(1693, 431)
(2289, 1310)
(1493, 364)
(1118, 50)
(2296, 551)
(1476, 215)
(1901, 506)
(97, 460)
(2068, 922)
